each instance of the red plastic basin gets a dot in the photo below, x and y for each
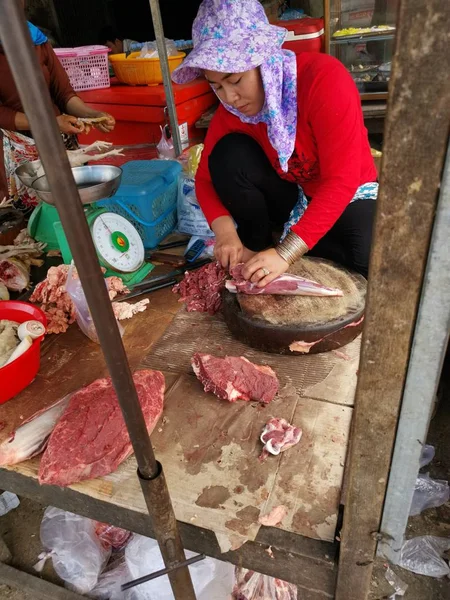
(17, 375)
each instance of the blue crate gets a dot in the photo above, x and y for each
(147, 197)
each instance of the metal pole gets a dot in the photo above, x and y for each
(131, 584)
(428, 351)
(36, 101)
(162, 51)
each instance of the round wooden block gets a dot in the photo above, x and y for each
(300, 324)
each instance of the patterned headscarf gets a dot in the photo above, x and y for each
(234, 36)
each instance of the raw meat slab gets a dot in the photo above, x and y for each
(329, 376)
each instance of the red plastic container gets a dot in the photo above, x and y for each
(20, 373)
(304, 35)
(141, 110)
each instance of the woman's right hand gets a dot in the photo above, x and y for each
(69, 124)
(228, 249)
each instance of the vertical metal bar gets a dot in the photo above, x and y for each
(162, 51)
(428, 351)
(36, 101)
(413, 161)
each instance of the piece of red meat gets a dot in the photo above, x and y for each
(278, 435)
(91, 439)
(234, 377)
(285, 285)
(110, 536)
(201, 289)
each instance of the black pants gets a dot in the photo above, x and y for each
(260, 202)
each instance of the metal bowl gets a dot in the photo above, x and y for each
(29, 172)
(93, 182)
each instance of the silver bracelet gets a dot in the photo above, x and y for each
(292, 248)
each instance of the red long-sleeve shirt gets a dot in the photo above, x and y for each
(332, 155)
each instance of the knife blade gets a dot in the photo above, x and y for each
(146, 290)
(171, 275)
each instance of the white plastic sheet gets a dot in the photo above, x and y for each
(212, 579)
(423, 555)
(77, 553)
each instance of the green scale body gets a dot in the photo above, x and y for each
(119, 246)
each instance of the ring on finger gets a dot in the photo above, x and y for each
(265, 271)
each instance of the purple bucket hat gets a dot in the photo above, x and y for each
(230, 36)
(234, 36)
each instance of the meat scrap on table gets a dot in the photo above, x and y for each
(275, 517)
(58, 307)
(234, 377)
(278, 435)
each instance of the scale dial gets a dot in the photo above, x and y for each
(117, 242)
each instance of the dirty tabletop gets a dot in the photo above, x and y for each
(209, 448)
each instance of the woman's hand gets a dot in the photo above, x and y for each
(264, 267)
(105, 126)
(228, 250)
(69, 124)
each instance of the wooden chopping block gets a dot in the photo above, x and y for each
(300, 324)
(11, 223)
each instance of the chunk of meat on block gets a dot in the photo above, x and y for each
(235, 378)
(91, 439)
(278, 435)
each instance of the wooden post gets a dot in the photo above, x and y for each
(415, 143)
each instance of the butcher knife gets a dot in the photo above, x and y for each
(146, 290)
(175, 260)
(158, 278)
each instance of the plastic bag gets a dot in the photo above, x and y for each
(8, 502)
(165, 146)
(255, 586)
(427, 455)
(394, 580)
(194, 156)
(212, 579)
(422, 555)
(84, 318)
(150, 49)
(78, 555)
(428, 493)
(113, 577)
(191, 219)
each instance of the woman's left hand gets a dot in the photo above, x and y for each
(264, 267)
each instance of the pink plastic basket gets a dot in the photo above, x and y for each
(86, 66)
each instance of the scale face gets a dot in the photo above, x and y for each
(117, 242)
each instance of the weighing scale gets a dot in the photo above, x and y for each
(118, 243)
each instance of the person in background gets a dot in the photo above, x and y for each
(287, 149)
(17, 145)
(115, 42)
